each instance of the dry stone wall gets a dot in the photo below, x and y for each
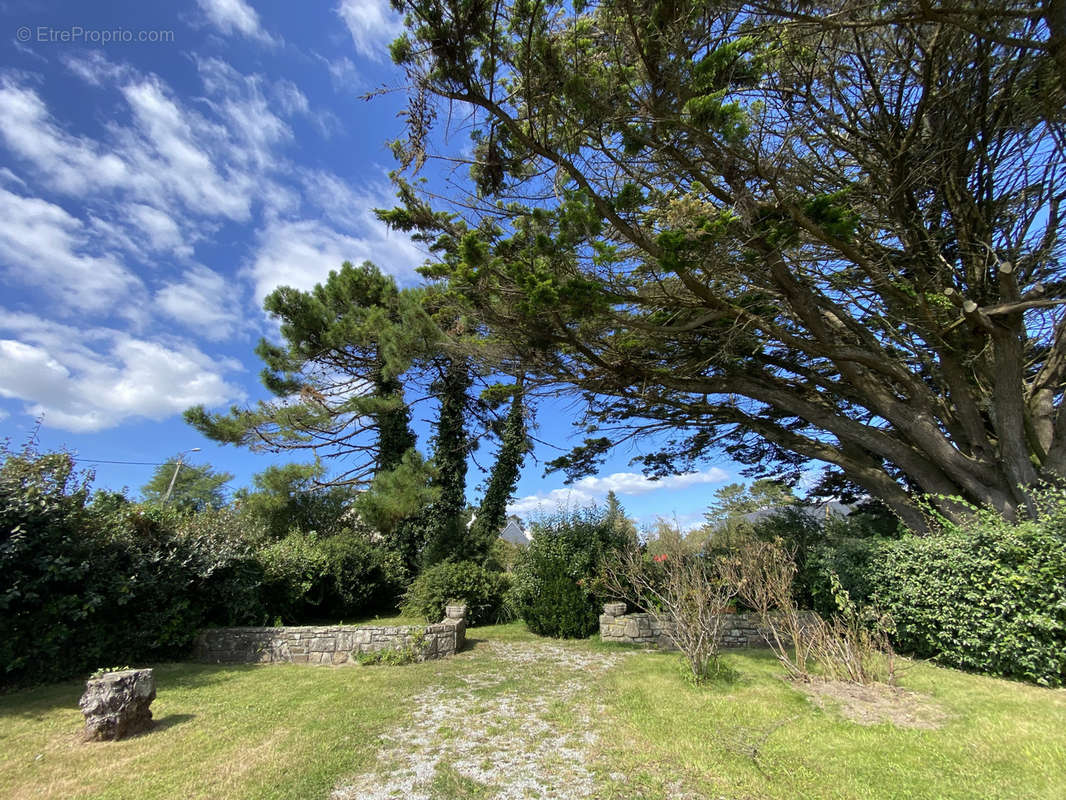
(335, 644)
(738, 630)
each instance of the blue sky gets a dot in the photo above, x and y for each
(162, 169)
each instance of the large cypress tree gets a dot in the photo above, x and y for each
(796, 231)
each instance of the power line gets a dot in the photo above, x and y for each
(137, 463)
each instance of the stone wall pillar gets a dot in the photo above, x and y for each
(455, 616)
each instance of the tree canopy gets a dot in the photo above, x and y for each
(197, 487)
(336, 377)
(794, 231)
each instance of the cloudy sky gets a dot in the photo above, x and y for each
(163, 167)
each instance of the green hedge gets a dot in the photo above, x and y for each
(990, 597)
(308, 577)
(481, 589)
(83, 584)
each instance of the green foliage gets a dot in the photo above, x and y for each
(481, 589)
(562, 607)
(503, 555)
(337, 376)
(447, 536)
(988, 596)
(285, 498)
(397, 494)
(492, 513)
(100, 672)
(196, 487)
(82, 584)
(563, 562)
(395, 656)
(626, 238)
(851, 560)
(310, 577)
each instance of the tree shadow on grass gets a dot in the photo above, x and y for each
(168, 721)
(38, 701)
(471, 644)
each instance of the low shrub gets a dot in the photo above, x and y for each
(564, 561)
(481, 589)
(988, 596)
(684, 591)
(561, 607)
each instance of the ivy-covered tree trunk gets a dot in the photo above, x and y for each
(447, 537)
(492, 513)
(395, 436)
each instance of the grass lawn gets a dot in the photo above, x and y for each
(284, 731)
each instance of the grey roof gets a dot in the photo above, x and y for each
(513, 533)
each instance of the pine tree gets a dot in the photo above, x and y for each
(338, 376)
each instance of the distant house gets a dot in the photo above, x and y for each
(513, 532)
(822, 511)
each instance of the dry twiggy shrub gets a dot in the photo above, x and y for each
(852, 646)
(684, 591)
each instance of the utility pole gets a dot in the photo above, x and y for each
(177, 467)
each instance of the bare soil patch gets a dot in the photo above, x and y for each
(876, 704)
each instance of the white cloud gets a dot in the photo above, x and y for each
(291, 99)
(372, 23)
(301, 253)
(168, 158)
(594, 488)
(44, 246)
(631, 483)
(550, 501)
(202, 300)
(89, 379)
(72, 164)
(343, 73)
(94, 68)
(160, 230)
(235, 17)
(172, 152)
(239, 101)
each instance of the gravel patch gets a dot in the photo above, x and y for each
(505, 741)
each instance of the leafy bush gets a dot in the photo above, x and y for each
(989, 597)
(562, 566)
(46, 565)
(308, 577)
(168, 575)
(83, 584)
(457, 581)
(851, 561)
(561, 607)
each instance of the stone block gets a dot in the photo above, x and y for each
(117, 704)
(323, 644)
(615, 609)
